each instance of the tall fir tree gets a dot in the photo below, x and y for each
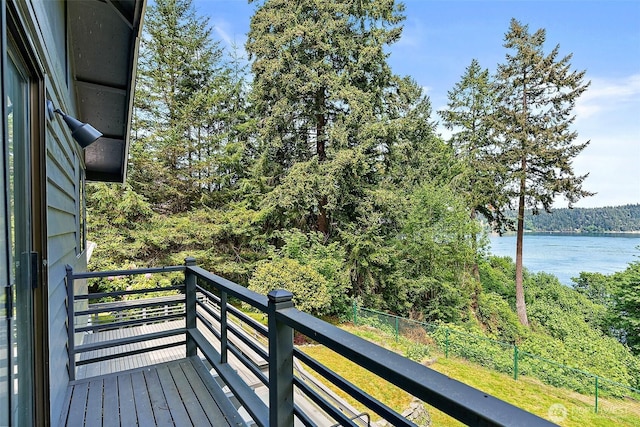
(478, 175)
(320, 75)
(185, 95)
(537, 93)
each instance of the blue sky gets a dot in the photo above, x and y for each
(440, 38)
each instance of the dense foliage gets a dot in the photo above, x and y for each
(592, 327)
(323, 173)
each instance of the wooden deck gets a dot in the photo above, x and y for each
(118, 364)
(177, 393)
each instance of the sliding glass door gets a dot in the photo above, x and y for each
(19, 317)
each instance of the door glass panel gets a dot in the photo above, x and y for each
(4, 323)
(20, 244)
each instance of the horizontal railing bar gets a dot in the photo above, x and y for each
(207, 323)
(255, 370)
(134, 305)
(257, 326)
(98, 295)
(234, 330)
(252, 345)
(360, 395)
(303, 417)
(128, 340)
(243, 294)
(334, 412)
(247, 397)
(249, 364)
(127, 323)
(465, 403)
(118, 355)
(132, 272)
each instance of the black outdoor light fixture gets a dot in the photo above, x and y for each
(83, 133)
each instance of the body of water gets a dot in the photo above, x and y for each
(566, 255)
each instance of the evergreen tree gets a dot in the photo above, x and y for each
(320, 76)
(623, 304)
(415, 153)
(479, 177)
(537, 93)
(471, 104)
(183, 142)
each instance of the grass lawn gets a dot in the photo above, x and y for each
(561, 406)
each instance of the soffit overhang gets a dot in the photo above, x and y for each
(104, 40)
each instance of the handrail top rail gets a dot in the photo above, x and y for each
(252, 298)
(423, 382)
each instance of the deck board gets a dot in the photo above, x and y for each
(178, 411)
(78, 404)
(199, 388)
(190, 399)
(93, 417)
(110, 402)
(126, 401)
(159, 404)
(143, 402)
(167, 394)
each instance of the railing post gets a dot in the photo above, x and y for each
(397, 327)
(446, 343)
(71, 344)
(280, 362)
(190, 304)
(223, 327)
(355, 313)
(596, 394)
(515, 362)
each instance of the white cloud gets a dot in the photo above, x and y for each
(224, 31)
(607, 94)
(608, 115)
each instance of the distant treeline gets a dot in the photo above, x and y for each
(586, 220)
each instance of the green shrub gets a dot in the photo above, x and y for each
(328, 260)
(418, 352)
(309, 288)
(500, 321)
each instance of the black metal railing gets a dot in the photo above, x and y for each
(230, 340)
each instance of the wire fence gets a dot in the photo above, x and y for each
(608, 396)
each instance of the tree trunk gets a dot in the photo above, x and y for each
(475, 270)
(521, 306)
(323, 220)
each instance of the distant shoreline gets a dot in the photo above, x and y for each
(589, 233)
